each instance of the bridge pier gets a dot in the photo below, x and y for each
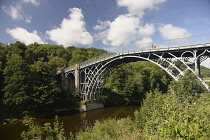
(77, 79)
(63, 81)
(197, 66)
(197, 63)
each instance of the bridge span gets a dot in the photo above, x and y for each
(176, 57)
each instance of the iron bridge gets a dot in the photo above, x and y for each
(87, 78)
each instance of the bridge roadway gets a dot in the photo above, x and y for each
(176, 51)
(87, 78)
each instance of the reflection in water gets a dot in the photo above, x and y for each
(73, 123)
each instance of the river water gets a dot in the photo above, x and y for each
(72, 123)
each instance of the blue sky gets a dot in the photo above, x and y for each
(101, 23)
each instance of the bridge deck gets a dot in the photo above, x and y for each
(142, 51)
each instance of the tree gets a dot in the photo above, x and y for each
(133, 80)
(57, 62)
(187, 86)
(1, 79)
(3, 52)
(69, 51)
(78, 55)
(45, 89)
(27, 75)
(17, 48)
(16, 79)
(36, 48)
(93, 52)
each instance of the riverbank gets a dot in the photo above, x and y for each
(72, 123)
(67, 111)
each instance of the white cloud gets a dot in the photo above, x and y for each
(72, 30)
(34, 2)
(15, 11)
(24, 36)
(102, 35)
(120, 31)
(138, 7)
(147, 30)
(103, 25)
(123, 30)
(128, 28)
(168, 31)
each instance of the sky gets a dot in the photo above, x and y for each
(104, 24)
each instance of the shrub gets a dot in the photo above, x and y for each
(108, 130)
(48, 132)
(165, 116)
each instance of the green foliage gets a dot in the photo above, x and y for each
(170, 116)
(47, 50)
(110, 129)
(44, 88)
(57, 62)
(93, 52)
(47, 132)
(1, 79)
(79, 55)
(66, 100)
(110, 98)
(162, 116)
(133, 80)
(16, 48)
(3, 52)
(16, 79)
(46, 92)
(28, 85)
(205, 72)
(188, 86)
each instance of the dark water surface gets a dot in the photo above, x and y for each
(72, 123)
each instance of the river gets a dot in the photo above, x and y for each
(72, 123)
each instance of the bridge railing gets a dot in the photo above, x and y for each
(151, 46)
(167, 44)
(98, 59)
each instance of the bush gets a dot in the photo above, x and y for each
(111, 129)
(188, 86)
(48, 132)
(165, 116)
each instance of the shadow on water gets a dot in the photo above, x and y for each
(72, 123)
